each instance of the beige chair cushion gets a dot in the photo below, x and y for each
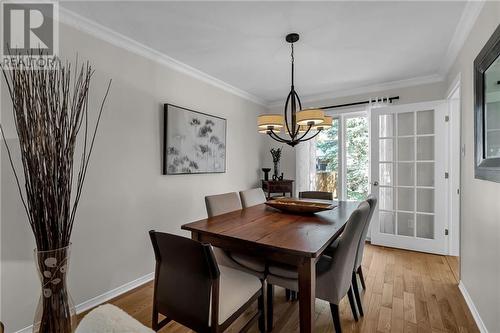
(251, 265)
(110, 319)
(249, 262)
(290, 272)
(235, 289)
(252, 197)
(284, 271)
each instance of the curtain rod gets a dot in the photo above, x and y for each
(356, 103)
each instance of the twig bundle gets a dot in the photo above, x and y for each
(51, 113)
(276, 153)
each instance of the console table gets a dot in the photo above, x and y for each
(277, 186)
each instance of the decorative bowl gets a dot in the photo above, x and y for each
(300, 206)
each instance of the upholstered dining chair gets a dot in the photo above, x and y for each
(357, 270)
(372, 201)
(333, 274)
(252, 197)
(221, 204)
(193, 290)
(316, 195)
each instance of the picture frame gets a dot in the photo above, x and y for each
(487, 110)
(193, 142)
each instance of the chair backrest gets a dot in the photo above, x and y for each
(184, 275)
(372, 201)
(222, 203)
(316, 195)
(252, 197)
(336, 281)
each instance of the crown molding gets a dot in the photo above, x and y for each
(115, 38)
(379, 87)
(466, 22)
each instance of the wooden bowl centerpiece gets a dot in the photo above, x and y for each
(300, 206)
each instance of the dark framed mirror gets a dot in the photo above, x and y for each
(487, 110)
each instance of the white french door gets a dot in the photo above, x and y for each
(408, 176)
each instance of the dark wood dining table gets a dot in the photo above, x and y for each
(265, 232)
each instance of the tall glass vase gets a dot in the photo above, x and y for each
(55, 312)
(276, 171)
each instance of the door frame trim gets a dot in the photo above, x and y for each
(455, 154)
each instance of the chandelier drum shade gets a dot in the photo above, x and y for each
(299, 124)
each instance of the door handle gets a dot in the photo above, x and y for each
(375, 183)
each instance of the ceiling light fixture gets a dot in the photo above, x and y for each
(297, 124)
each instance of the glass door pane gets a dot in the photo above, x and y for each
(407, 190)
(327, 160)
(357, 163)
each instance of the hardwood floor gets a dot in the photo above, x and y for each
(454, 263)
(405, 292)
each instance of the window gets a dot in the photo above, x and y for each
(342, 158)
(357, 145)
(327, 160)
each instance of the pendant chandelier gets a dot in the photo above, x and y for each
(299, 126)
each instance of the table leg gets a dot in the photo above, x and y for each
(307, 294)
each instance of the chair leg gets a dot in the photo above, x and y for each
(360, 272)
(262, 317)
(270, 296)
(154, 321)
(353, 304)
(288, 294)
(334, 308)
(356, 293)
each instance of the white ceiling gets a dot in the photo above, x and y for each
(343, 45)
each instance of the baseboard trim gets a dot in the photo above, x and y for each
(98, 300)
(477, 318)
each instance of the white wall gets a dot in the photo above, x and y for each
(125, 194)
(420, 93)
(480, 211)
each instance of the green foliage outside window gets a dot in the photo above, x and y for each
(327, 149)
(357, 158)
(357, 145)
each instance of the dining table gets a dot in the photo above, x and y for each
(294, 239)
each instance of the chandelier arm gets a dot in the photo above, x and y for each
(300, 108)
(298, 99)
(312, 137)
(293, 112)
(307, 131)
(286, 113)
(274, 136)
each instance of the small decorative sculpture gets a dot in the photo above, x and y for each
(266, 173)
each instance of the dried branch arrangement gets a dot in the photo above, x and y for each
(276, 153)
(51, 116)
(51, 113)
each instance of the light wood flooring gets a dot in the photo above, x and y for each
(406, 292)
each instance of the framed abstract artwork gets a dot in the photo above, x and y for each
(193, 142)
